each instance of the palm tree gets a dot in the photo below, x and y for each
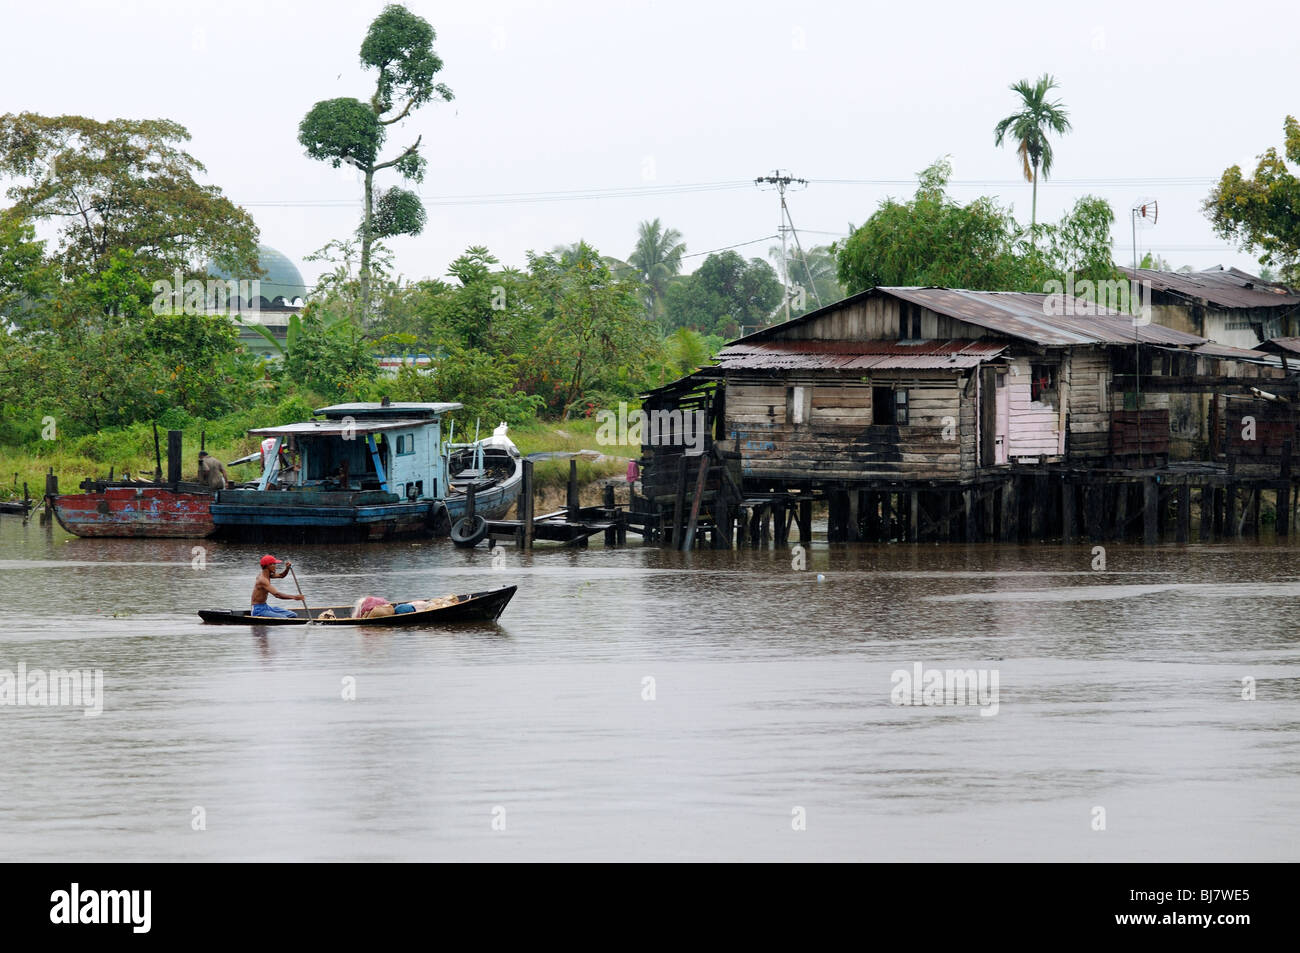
(657, 259)
(1029, 129)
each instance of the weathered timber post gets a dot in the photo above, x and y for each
(1283, 525)
(611, 514)
(701, 478)
(1038, 507)
(970, 514)
(914, 520)
(1233, 526)
(173, 456)
(1184, 530)
(1067, 510)
(1207, 513)
(674, 536)
(471, 494)
(1009, 528)
(527, 504)
(886, 517)
(571, 491)
(1150, 511)
(805, 522)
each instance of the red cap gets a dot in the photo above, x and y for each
(268, 561)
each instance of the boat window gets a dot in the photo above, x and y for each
(405, 444)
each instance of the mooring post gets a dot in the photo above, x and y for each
(526, 503)
(173, 456)
(571, 491)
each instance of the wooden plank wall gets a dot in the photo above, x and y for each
(1089, 402)
(839, 441)
(1034, 428)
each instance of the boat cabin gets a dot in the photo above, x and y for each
(390, 447)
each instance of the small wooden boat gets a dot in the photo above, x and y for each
(472, 607)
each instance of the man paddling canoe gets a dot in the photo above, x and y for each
(262, 588)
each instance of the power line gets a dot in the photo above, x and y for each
(765, 238)
(687, 188)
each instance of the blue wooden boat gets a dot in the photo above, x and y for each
(368, 471)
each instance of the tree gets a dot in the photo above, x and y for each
(399, 45)
(123, 183)
(591, 327)
(1262, 213)
(1029, 129)
(657, 258)
(724, 294)
(933, 240)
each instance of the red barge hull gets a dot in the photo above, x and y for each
(146, 511)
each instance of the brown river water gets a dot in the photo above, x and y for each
(641, 704)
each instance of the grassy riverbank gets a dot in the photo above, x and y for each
(131, 449)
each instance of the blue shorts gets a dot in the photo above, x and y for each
(274, 612)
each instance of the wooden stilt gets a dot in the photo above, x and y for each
(1184, 530)
(1150, 511)
(805, 522)
(1067, 511)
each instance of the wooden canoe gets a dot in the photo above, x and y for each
(472, 607)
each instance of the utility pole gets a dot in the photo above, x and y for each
(782, 181)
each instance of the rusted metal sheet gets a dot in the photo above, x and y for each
(1281, 346)
(859, 355)
(142, 511)
(1029, 317)
(1220, 287)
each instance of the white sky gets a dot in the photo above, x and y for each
(560, 96)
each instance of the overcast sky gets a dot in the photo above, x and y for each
(636, 101)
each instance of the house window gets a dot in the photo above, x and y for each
(405, 444)
(1042, 383)
(909, 322)
(888, 406)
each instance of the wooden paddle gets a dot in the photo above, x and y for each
(304, 601)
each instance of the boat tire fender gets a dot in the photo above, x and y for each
(469, 532)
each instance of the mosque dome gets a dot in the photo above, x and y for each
(281, 284)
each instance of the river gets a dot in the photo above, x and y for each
(640, 704)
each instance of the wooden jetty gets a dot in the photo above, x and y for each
(927, 414)
(572, 525)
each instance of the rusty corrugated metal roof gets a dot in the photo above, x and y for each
(1279, 345)
(1222, 287)
(1030, 316)
(859, 355)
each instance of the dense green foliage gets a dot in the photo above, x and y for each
(934, 240)
(723, 295)
(1262, 213)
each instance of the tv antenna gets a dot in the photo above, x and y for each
(1148, 212)
(782, 180)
